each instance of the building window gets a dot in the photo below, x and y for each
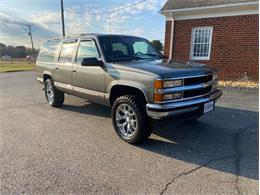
(201, 43)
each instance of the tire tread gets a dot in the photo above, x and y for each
(144, 121)
(58, 95)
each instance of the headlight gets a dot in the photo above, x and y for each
(173, 96)
(173, 83)
(167, 97)
(160, 84)
(215, 76)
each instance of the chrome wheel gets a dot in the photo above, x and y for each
(126, 120)
(49, 92)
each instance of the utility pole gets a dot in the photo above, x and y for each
(62, 18)
(30, 34)
(109, 19)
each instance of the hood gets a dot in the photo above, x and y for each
(168, 70)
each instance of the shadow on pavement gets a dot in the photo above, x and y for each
(89, 108)
(224, 140)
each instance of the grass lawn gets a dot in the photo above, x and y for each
(16, 66)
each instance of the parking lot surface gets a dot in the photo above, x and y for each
(74, 149)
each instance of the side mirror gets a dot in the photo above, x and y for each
(91, 62)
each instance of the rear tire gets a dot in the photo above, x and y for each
(54, 97)
(130, 120)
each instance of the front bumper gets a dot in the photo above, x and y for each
(162, 111)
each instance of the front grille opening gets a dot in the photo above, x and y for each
(197, 80)
(197, 92)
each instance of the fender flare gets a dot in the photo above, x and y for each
(131, 84)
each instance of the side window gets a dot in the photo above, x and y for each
(87, 49)
(48, 51)
(119, 49)
(66, 52)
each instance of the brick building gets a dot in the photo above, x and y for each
(220, 33)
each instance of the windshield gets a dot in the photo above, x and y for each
(123, 48)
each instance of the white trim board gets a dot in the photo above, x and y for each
(215, 15)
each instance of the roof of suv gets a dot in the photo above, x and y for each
(88, 35)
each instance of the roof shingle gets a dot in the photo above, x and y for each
(180, 4)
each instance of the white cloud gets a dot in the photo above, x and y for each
(48, 20)
(138, 31)
(121, 18)
(82, 20)
(14, 32)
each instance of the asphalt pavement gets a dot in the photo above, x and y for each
(74, 149)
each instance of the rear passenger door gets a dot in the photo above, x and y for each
(63, 69)
(88, 81)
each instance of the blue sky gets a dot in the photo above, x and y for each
(81, 16)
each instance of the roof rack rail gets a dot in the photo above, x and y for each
(68, 36)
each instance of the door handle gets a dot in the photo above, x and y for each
(57, 68)
(74, 70)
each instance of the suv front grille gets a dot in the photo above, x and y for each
(193, 87)
(197, 80)
(196, 92)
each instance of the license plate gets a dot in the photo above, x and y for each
(208, 107)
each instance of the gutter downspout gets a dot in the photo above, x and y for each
(171, 42)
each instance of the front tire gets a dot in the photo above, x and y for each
(54, 97)
(130, 120)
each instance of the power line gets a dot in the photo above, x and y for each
(101, 13)
(118, 9)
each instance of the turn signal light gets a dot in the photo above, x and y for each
(158, 84)
(158, 97)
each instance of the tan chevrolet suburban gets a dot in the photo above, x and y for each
(128, 74)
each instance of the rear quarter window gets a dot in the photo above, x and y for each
(67, 52)
(48, 51)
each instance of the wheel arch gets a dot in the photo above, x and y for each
(46, 75)
(118, 90)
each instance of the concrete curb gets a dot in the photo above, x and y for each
(239, 88)
(10, 71)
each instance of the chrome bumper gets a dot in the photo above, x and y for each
(161, 111)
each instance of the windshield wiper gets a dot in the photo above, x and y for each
(150, 55)
(126, 58)
(137, 58)
(154, 55)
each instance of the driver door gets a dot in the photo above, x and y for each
(88, 81)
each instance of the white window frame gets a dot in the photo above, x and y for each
(192, 57)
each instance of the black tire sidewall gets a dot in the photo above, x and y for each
(58, 95)
(143, 129)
